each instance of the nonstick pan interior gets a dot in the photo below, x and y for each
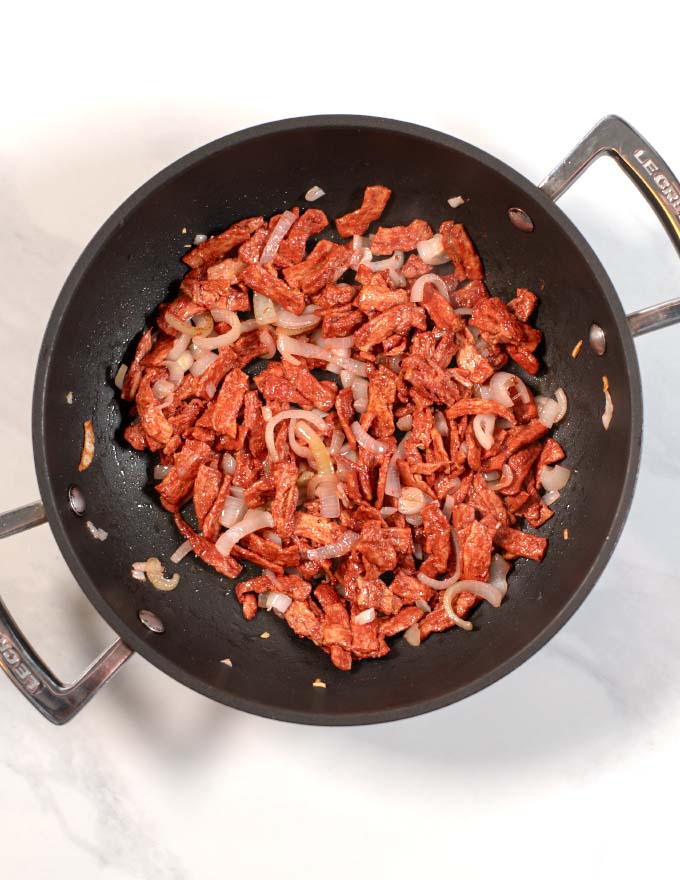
(134, 262)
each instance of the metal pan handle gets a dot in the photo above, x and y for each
(651, 175)
(56, 701)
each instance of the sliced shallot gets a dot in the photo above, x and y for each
(364, 439)
(412, 635)
(431, 251)
(483, 425)
(332, 551)
(253, 521)
(418, 289)
(228, 338)
(233, 512)
(314, 193)
(288, 414)
(183, 550)
(554, 477)
(447, 603)
(492, 594)
(367, 616)
(277, 235)
(154, 574)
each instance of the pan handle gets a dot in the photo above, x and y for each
(56, 701)
(651, 175)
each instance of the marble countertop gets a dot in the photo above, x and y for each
(567, 764)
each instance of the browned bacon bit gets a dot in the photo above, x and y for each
(292, 249)
(178, 483)
(377, 295)
(87, 453)
(206, 550)
(524, 303)
(357, 222)
(206, 489)
(218, 246)
(263, 282)
(285, 476)
(340, 322)
(134, 373)
(429, 379)
(326, 263)
(400, 238)
(154, 424)
(441, 311)
(514, 543)
(461, 251)
(410, 465)
(222, 412)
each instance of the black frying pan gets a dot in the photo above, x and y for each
(133, 262)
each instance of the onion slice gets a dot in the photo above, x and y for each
(201, 364)
(332, 551)
(554, 478)
(498, 572)
(234, 510)
(154, 573)
(412, 500)
(498, 386)
(412, 635)
(87, 452)
(483, 425)
(314, 193)
(288, 414)
(447, 602)
(431, 251)
(183, 550)
(296, 323)
(212, 342)
(364, 439)
(418, 289)
(288, 347)
(392, 481)
(253, 521)
(492, 594)
(367, 616)
(608, 404)
(119, 379)
(277, 235)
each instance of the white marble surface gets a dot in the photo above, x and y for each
(564, 768)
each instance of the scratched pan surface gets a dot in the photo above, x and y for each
(133, 263)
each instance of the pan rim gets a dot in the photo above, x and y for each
(144, 644)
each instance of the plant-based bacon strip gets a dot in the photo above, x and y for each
(357, 222)
(387, 501)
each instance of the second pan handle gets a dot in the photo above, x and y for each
(652, 176)
(56, 701)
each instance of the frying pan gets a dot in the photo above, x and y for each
(132, 263)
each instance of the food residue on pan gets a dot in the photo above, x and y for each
(97, 534)
(456, 201)
(314, 193)
(264, 635)
(577, 349)
(87, 453)
(227, 662)
(184, 230)
(153, 571)
(317, 683)
(565, 534)
(608, 404)
(69, 398)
